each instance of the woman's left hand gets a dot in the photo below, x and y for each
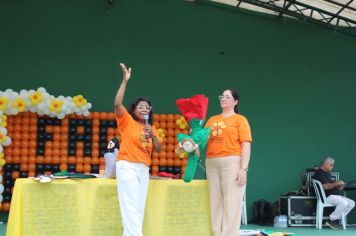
(148, 129)
(241, 177)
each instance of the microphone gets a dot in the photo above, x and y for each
(147, 134)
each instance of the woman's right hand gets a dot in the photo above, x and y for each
(126, 72)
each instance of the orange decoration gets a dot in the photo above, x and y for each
(32, 159)
(170, 117)
(48, 152)
(162, 117)
(111, 116)
(156, 117)
(64, 160)
(49, 129)
(23, 167)
(170, 125)
(162, 154)
(95, 152)
(32, 144)
(39, 159)
(48, 160)
(80, 130)
(79, 152)
(24, 152)
(55, 160)
(72, 160)
(15, 174)
(154, 154)
(5, 206)
(95, 160)
(24, 159)
(177, 162)
(79, 160)
(103, 115)
(55, 152)
(162, 161)
(154, 170)
(32, 167)
(155, 161)
(170, 154)
(79, 168)
(163, 124)
(63, 167)
(25, 136)
(64, 152)
(49, 144)
(87, 168)
(170, 162)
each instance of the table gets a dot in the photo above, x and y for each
(85, 207)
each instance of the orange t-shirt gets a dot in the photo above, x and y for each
(226, 135)
(134, 147)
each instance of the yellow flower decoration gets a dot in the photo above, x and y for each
(36, 98)
(2, 162)
(2, 137)
(79, 101)
(161, 133)
(4, 117)
(20, 104)
(3, 103)
(56, 105)
(1, 155)
(217, 128)
(183, 155)
(181, 122)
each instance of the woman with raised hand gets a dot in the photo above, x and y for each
(138, 139)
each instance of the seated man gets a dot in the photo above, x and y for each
(332, 189)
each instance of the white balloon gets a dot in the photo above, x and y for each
(3, 130)
(1, 148)
(1, 198)
(7, 141)
(1, 189)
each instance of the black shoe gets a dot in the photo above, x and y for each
(334, 224)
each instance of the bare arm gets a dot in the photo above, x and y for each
(126, 74)
(338, 184)
(245, 159)
(246, 152)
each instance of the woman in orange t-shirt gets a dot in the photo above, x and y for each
(227, 159)
(138, 139)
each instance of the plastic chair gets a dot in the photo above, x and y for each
(243, 209)
(321, 203)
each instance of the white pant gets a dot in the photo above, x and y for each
(343, 206)
(132, 187)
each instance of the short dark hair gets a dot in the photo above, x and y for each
(133, 106)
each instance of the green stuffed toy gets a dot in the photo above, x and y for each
(194, 111)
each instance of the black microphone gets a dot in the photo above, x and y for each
(147, 134)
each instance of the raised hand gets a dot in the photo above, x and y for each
(126, 72)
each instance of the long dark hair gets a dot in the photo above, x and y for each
(236, 96)
(133, 106)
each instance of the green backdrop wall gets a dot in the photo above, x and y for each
(297, 81)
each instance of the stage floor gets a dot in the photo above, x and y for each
(350, 231)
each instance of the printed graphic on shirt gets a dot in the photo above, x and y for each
(146, 144)
(217, 128)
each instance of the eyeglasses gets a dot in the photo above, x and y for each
(141, 107)
(227, 97)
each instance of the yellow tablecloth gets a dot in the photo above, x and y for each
(84, 207)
